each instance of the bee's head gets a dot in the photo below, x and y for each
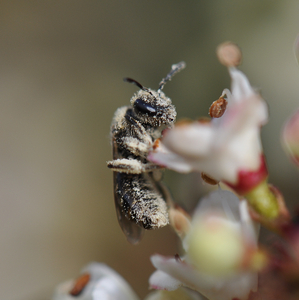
(153, 108)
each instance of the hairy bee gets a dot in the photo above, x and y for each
(139, 197)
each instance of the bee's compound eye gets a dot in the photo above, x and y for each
(145, 108)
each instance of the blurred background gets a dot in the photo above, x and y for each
(61, 69)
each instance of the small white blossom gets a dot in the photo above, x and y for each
(214, 264)
(223, 147)
(104, 284)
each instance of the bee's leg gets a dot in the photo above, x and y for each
(138, 131)
(136, 126)
(131, 166)
(136, 146)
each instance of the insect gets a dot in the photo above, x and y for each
(139, 196)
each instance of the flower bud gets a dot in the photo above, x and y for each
(222, 235)
(290, 137)
(263, 201)
(215, 246)
(179, 220)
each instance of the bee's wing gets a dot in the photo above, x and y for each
(132, 231)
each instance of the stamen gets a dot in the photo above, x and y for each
(218, 108)
(229, 54)
(80, 284)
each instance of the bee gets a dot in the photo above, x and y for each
(140, 199)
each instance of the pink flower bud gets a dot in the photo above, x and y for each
(290, 137)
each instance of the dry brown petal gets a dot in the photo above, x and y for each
(80, 284)
(218, 108)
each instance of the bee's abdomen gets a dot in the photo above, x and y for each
(140, 200)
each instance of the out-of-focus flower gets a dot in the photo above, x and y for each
(290, 142)
(290, 137)
(103, 284)
(290, 133)
(99, 282)
(227, 148)
(221, 251)
(179, 294)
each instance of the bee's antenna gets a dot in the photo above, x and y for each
(130, 80)
(174, 69)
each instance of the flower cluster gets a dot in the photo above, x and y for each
(99, 282)
(227, 148)
(222, 259)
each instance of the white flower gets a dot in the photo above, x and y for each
(104, 284)
(179, 294)
(224, 147)
(218, 247)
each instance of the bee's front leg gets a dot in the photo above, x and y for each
(131, 166)
(136, 146)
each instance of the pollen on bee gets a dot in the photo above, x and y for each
(156, 143)
(204, 120)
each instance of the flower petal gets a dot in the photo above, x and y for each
(105, 284)
(179, 294)
(211, 287)
(241, 87)
(221, 232)
(225, 252)
(223, 147)
(242, 90)
(160, 280)
(164, 157)
(192, 140)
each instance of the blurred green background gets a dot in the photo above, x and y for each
(61, 69)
